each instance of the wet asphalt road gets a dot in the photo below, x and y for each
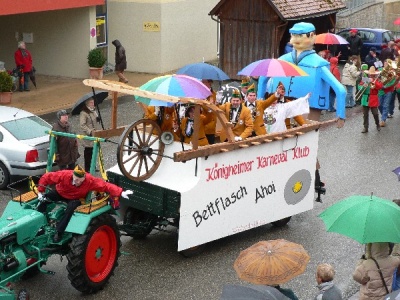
(352, 163)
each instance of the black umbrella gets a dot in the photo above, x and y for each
(251, 292)
(100, 96)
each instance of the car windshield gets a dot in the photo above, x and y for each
(27, 128)
(387, 36)
(367, 36)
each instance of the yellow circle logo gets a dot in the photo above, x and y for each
(297, 187)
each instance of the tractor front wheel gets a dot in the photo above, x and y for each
(94, 255)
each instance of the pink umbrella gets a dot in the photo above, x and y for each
(397, 21)
(272, 67)
(330, 39)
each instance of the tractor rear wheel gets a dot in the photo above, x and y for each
(94, 255)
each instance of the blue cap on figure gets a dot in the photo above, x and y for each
(302, 27)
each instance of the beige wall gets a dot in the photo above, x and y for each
(375, 15)
(61, 40)
(187, 33)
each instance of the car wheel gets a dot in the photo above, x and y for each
(4, 176)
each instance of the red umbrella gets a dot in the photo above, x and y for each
(397, 21)
(330, 39)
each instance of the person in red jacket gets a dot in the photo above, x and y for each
(72, 185)
(23, 60)
(335, 71)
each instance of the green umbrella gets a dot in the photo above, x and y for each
(366, 219)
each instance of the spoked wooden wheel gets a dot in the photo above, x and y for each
(140, 150)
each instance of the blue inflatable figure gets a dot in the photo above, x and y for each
(320, 79)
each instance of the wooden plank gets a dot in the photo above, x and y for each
(196, 127)
(114, 110)
(230, 146)
(109, 132)
(123, 88)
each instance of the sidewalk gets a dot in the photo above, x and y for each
(55, 93)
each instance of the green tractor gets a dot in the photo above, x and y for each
(91, 241)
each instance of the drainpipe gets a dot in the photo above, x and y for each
(219, 46)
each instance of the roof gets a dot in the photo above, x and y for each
(8, 7)
(297, 9)
(9, 113)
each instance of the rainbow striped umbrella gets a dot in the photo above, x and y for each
(272, 67)
(173, 85)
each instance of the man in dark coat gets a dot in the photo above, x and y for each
(67, 148)
(371, 58)
(355, 44)
(387, 52)
(120, 61)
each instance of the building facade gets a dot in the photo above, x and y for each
(158, 35)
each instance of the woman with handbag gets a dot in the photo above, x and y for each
(375, 271)
(89, 123)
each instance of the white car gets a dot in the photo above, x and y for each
(23, 144)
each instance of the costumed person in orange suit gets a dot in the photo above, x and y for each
(257, 108)
(239, 115)
(165, 117)
(244, 85)
(279, 111)
(72, 185)
(210, 126)
(299, 118)
(280, 94)
(187, 127)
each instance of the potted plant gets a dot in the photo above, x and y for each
(6, 84)
(96, 61)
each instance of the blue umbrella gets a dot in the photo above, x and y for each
(397, 172)
(203, 71)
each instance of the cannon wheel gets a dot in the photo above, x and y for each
(140, 150)
(93, 256)
(142, 221)
(282, 222)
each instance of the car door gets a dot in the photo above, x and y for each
(344, 52)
